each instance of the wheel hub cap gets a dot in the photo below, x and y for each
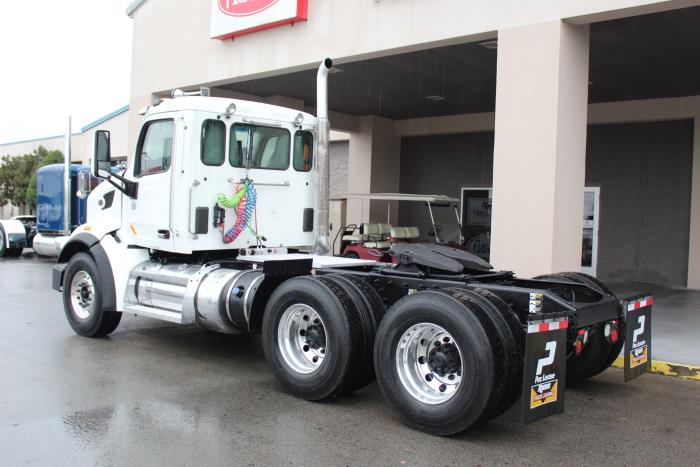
(429, 363)
(301, 338)
(82, 295)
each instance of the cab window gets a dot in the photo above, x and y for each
(259, 147)
(155, 148)
(303, 151)
(213, 142)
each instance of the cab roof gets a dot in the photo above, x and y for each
(219, 105)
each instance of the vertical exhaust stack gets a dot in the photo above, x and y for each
(322, 243)
(66, 183)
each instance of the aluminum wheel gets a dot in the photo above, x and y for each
(301, 338)
(429, 363)
(82, 297)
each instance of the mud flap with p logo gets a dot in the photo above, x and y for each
(544, 376)
(637, 335)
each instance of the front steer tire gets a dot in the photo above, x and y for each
(83, 301)
(434, 316)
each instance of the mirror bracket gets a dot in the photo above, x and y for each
(102, 158)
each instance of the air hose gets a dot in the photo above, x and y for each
(243, 202)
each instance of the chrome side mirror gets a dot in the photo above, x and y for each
(84, 187)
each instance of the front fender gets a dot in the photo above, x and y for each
(88, 243)
(15, 233)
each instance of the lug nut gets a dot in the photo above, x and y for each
(315, 359)
(421, 360)
(306, 348)
(428, 377)
(437, 343)
(442, 388)
(306, 317)
(446, 339)
(316, 321)
(302, 332)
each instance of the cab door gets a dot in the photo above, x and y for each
(149, 216)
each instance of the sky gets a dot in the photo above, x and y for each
(61, 58)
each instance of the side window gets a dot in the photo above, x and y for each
(213, 142)
(155, 148)
(270, 147)
(303, 151)
(238, 145)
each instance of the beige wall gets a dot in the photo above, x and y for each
(539, 148)
(172, 48)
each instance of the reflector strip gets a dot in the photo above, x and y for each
(544, 327)
(641, 303)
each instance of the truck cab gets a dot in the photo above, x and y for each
(194, 153)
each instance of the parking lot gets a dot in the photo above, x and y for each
(156, 393)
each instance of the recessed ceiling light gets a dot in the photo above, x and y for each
(435, 98)
(491, 45)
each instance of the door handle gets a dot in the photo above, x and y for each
(189, 210)
(164, 234)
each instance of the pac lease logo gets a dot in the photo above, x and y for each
(639, 353)
(545, 369)
(544, 391)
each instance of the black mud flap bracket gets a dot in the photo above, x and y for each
(637, 356)
(544, 375)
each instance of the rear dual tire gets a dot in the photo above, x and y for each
(446, 392)
(318, 334)
(598, 353)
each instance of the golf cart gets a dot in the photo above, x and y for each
(373, 241)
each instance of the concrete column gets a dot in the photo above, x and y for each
(540, 148)
(373, 167)
(694, 238)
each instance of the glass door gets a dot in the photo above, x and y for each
(589, 251)
(476, 221)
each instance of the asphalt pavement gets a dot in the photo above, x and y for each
(161, 394)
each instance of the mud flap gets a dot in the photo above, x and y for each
(544, 376)
(637, 335)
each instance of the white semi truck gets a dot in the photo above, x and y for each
(221, 219)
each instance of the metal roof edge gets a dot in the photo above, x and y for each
(133, 6)
(31, 140)
(103, 119)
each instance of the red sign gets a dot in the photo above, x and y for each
(244, 7)
(231, 18)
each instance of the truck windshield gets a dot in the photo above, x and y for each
(269, 149)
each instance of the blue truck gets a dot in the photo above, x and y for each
(48, 231)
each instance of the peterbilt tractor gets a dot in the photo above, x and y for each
(221, 219)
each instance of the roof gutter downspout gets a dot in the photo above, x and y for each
(322, 242)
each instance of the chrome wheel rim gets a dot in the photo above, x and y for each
(429, 363)
(301, 338)
(82, 294)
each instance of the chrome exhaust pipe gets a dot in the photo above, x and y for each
(66, 182)
(322, 242)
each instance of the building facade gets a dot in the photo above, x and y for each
(572, 124)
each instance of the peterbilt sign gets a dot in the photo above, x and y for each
(230, 18)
